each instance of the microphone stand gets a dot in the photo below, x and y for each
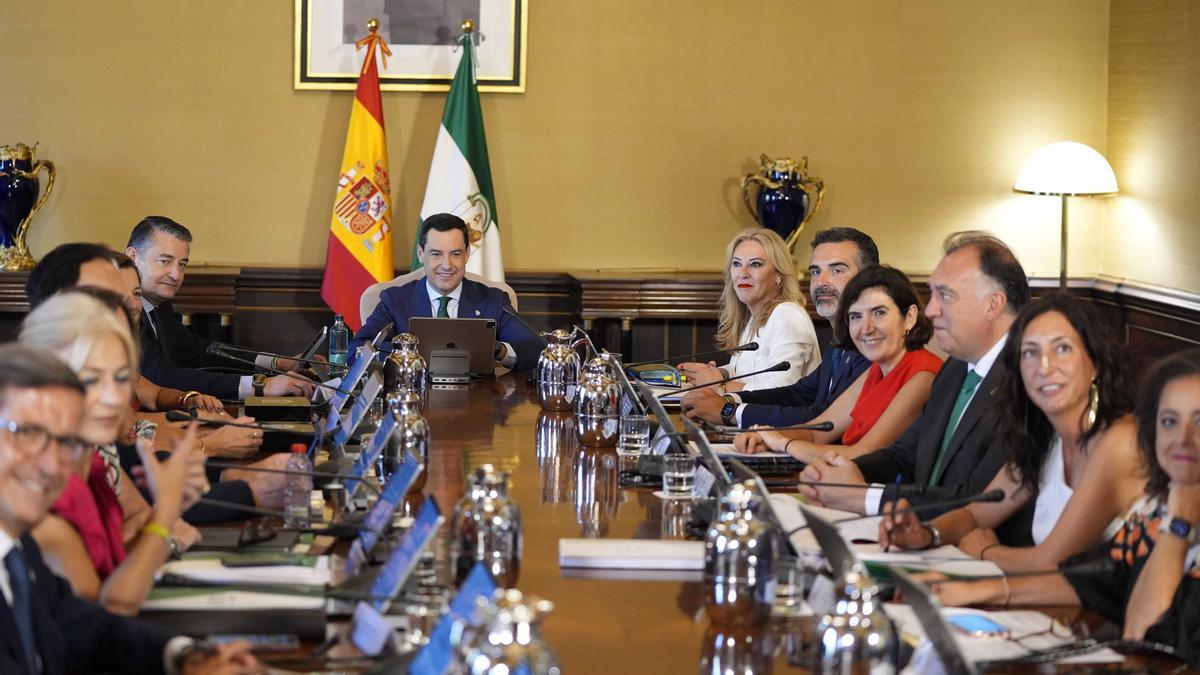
(748, 347)
(214, 349)
(815, 426)
(225, 347)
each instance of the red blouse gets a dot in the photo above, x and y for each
(878, 391)
(94, 511)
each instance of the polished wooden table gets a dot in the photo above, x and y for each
(565, 491)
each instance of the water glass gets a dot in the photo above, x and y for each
(635, 435)
(679, 475)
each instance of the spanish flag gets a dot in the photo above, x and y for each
(360, 242)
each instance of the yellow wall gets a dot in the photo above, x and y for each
(1154, 143)
(640, 117)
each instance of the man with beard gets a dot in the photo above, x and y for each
(837, 255)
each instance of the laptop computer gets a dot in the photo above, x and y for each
(477, 337)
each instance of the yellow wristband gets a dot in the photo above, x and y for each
(158, 530)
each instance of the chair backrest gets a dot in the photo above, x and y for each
(370, 297)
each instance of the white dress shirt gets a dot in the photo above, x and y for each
(510, 354)
(788, 335)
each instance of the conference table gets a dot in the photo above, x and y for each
(598, 625)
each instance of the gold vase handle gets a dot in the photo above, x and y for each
(51, 173)
(749, 193)
(815, 189)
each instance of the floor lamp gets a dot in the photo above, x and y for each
(1066, 169)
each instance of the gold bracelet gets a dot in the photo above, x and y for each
(1007, 590)
(184, 398)
(984, 550)
(274, 363)
(158, 530)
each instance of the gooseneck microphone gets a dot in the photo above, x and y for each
(226, 347)
(811, 426)
(218, 464)
(216, 350)
(1097, 567)
(777, 368)
(748, 347)
(181, 416)
(989, 496)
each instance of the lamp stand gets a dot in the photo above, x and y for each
(1062, 250)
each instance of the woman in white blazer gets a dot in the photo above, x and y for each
(762, 303)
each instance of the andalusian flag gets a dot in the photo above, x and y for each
(360, 243)
(460, 181)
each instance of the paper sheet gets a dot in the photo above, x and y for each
(213, 599)
(1025, 625)
(211, 570)
(659, 554)
(726, 450)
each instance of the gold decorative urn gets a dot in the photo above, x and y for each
(19, 202)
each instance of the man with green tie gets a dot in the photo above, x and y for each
(976, 291)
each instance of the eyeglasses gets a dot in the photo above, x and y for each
(32, 439)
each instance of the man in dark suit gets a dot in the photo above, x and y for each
(837, 255)
(160, 248)
(44, 628)
(443, 249)
(976, 291)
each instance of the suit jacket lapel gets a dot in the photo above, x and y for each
(970, 417)
(8, 631)
(471, 300)
(937, 417)
(418, 300)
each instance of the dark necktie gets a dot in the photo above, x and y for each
(18, 580)
(956, 413)
(443, 307)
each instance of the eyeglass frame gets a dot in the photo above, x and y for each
(70, 448)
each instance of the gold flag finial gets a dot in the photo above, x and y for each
(468, 26)
(372, 24)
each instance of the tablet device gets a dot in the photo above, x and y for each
(321, 370)
(477, 337)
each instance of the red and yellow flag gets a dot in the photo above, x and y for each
(360, 241)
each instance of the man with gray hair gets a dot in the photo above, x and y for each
(976, 291)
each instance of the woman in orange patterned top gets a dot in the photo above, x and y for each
(1154, 592)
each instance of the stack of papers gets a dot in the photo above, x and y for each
(200, 599)
(1029, 632)
(212, 571)
(631, 554)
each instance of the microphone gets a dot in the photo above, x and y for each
(777, 368)
(989, 496)
(216, 350)
(748, 347)
(181, 416)
(218, 464)
(1097, 567)
(260, 511)
(814, 426)
(225, 346)
(507, 309)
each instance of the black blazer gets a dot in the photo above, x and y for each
(971, 461)
(809, 396)
(74, 635)
(173, 356)
(478, 301)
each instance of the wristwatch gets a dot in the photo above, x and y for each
(933, 530)
(259, 381)
(1182, 529)
(728, 411)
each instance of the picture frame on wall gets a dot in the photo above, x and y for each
(422, 36)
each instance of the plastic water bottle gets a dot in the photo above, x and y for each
(339, 341)
(297, 490)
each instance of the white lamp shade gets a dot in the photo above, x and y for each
(1066, 168)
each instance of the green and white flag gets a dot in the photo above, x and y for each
(460, 180)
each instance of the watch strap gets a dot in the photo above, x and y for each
(1180, 528)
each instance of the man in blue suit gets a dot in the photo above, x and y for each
(443, 248)
(44, 627)
(837, 256)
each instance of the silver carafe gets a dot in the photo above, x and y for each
(556, 379)
(857, 637)
(486, 528)
(405, 368)
(509, 639)
(556, 447)
(598, 406)
(736, 651)
(741, 553)
(410, 436)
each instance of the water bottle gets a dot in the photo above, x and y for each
(339, 341)
(297, 490)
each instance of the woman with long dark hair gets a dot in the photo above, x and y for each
(1063, 408)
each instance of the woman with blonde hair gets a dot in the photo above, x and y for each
(81, 540)
(762, 302)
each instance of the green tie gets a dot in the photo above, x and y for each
(960, 405)
(443, 303)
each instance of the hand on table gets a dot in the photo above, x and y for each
(234, 442)
(835, 469)
(703, 404)
(701, 373)
(287, 385)
(903, 530)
